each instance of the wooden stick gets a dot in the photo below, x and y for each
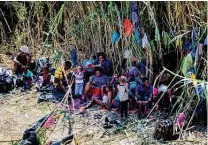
(5, 20)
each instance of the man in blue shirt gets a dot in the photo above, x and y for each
(105, 63)
(143, 95)
(140, 66)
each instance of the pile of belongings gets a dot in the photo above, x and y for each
(112, 119)
(30, 136)
(7, 80)
(164, 130)
(49, 93)
(41, 63)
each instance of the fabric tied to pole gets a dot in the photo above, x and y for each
(135, 20)
(128, 27)
(115, 36)
(194, 37)
(74, 56)
(50, 122)
(157, 34)
(186, 45)
(137, 36)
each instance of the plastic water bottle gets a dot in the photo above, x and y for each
(139, 129)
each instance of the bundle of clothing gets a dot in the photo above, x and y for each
(7, 80)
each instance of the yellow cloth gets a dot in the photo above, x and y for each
(59, 73)
(193, 76)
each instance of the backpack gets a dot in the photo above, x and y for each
(7, 81)
(40, 63)
(164, 130)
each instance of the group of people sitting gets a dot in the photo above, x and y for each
(98, 83)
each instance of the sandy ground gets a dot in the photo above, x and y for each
(20, 110)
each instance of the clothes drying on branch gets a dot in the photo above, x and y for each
(74, 56)
(145, 41)
(137, 36)
(186, 45)
(187, 64)
(115, 36)
(128, 27)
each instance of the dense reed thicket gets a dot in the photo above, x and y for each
(56, 25)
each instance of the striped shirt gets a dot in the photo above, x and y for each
(79, 78)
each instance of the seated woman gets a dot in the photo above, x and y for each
(23, 59)
(95, 84)
(107, 93)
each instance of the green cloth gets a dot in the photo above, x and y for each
(29, 74)
(187, 64)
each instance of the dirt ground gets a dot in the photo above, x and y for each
(20, 110)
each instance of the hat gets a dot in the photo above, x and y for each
(25, 49)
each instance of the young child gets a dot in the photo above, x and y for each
(45, 80)
(27, 78)
(123, 96)
(79, 82)
(107, 93)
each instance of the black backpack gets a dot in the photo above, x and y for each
(7, 82)
(40, 63)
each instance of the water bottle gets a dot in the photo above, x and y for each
(139, 129)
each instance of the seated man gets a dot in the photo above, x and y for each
(143, 96)
(60, 76)
(141, 67)
(105, 63)
(95, 84)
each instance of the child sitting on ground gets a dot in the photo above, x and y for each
(107, 93)
(123, 96)
(27, 78)
(45, 80)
